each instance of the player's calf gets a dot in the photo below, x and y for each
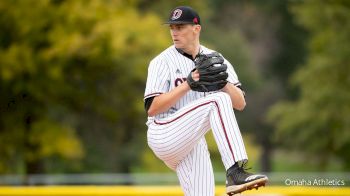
(238, 180)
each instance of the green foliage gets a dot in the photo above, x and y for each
(72, 80)
(317, 121)
(234, 48)
(72, 76)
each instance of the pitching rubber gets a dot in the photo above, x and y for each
(235, 189)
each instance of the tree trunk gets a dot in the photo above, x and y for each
(266, 158)
(33, 164)
(266, 155)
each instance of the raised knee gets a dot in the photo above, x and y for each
(222, 97)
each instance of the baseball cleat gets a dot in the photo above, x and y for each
(238, 180)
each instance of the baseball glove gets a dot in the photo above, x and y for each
(212, 73)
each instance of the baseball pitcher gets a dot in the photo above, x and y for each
(191, 90)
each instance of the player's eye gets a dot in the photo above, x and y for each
(176, 27)
(179, 27)
(173, 27)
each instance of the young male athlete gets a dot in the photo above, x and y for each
(190, 90)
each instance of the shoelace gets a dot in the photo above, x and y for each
(243, 169)
(240, 170)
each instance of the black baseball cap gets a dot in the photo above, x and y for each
(183, 15)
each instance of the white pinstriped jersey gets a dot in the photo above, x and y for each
(169, 69)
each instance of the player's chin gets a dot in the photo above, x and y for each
(177, 44)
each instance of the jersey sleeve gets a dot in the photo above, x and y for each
(158, 79)
(232, 76)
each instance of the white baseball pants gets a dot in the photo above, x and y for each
(179, 141)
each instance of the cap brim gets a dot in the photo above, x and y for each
(178, 22)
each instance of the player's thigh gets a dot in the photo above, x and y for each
(174, 137)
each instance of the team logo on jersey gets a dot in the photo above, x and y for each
(179, 81)
(176, 14)
(178, 71)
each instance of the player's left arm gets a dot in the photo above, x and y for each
(233, 88)
(237, 96)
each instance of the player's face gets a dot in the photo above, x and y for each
(184, 35)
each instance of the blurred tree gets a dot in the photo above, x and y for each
(30, 129)
(317, 122)
(272, 45)
(72, 80)
(163, 7)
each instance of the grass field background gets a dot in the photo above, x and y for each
(163, 191)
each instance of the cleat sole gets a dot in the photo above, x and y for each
(235, 189)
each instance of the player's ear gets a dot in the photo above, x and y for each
(197, 28)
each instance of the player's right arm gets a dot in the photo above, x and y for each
(165, 101)
(158, 97)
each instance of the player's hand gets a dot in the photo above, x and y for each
(210, 73)
(195, 75)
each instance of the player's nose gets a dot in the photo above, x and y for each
(174, 36)
(174, 33)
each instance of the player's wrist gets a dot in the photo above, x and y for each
(186, 86)
(225, 88)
